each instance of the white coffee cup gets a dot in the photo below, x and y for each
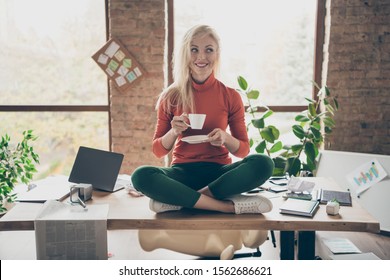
(196, 120)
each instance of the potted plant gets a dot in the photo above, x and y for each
(333, 207)
(311, 126)
(17, 165)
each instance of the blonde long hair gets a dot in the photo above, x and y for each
(179, 94)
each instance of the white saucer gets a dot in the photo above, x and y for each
(195, 139)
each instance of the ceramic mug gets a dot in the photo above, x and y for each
(196, 120)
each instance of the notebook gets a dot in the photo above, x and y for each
(299, 207)
(344, 198)
(99, 168)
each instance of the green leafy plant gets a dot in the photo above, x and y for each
(311, 126)
(17, 165)
(334, 200)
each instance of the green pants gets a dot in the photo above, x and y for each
(179, 184)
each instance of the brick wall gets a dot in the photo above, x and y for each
(359, 73)
(140, 26)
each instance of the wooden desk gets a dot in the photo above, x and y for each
(127, 212)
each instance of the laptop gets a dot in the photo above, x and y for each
(99, 168)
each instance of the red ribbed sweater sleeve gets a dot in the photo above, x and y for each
(224, 109)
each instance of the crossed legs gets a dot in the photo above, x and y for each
(203, 185)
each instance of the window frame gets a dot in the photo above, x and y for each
(70, 108)
(319, 39)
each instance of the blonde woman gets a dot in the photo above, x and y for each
(202, 175)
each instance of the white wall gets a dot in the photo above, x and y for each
(376, 199)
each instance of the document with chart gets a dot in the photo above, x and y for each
(366, 175)
(71, 232)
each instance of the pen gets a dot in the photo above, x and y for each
(278, 184)
(255, 191)
(278, 178)
(82, 202)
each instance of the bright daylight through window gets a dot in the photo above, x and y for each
(269, 43)
(46, 49)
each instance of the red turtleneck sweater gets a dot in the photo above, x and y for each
(223, 108)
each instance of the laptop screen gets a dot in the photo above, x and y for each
(97, 167)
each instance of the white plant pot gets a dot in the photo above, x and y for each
(332, 208)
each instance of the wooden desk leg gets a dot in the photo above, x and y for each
(306, 245)
(287, 244)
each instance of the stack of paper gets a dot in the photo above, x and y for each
(362, 256)
(341, 246)
(65, 231)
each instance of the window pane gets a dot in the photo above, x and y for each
(282, 121)
(46, 49)
(60, 135)
(270, 43)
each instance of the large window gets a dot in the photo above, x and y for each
(272, 44)
(48, 80)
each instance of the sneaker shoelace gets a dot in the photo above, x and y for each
(249, 206)
(168, 206)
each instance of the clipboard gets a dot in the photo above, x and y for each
(50, 188)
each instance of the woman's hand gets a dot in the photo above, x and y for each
(179, 124)
(217, 137)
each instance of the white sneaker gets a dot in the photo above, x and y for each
(251, 204)
(159, 207)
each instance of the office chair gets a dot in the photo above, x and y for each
(220, 244)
